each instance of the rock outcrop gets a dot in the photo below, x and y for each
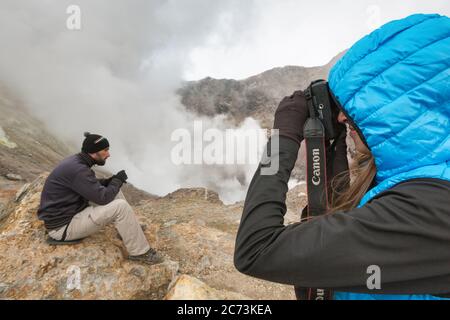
(94, 269)
(189, 288)
(190, 227)
(257, 96)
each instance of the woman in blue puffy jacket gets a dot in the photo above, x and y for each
(393, 221)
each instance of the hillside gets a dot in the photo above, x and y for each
(256, 97)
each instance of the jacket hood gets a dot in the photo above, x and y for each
(394, 84)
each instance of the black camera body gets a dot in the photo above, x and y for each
(323, 106)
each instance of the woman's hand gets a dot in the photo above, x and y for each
(291, 116)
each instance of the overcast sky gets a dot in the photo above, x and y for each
(296, 32)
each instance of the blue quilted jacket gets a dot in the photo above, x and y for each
(394, 84)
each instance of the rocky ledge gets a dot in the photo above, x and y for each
(191, 228)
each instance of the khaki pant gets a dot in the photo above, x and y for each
(94, 218)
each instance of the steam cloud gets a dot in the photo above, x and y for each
(118, 74)
(117, 77)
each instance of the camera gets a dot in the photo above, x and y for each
(321, 127)
(324, 106)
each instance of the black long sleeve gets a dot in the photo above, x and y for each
(69, 188)
(405, 231)
(91, 188)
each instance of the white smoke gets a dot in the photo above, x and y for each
(235, 157)
(117, 77)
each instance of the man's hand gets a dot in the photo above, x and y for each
(121, 175)
(291, 116)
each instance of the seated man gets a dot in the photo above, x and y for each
(65, 204)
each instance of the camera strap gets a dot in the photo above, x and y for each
(316, 165)
(316, 181)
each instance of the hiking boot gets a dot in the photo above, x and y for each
(150, 257)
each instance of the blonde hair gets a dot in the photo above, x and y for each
(349, 187)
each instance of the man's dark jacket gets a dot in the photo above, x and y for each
(69, 188)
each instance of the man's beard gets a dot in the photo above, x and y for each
(100, 162)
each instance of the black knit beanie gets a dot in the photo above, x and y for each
(94, 143)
